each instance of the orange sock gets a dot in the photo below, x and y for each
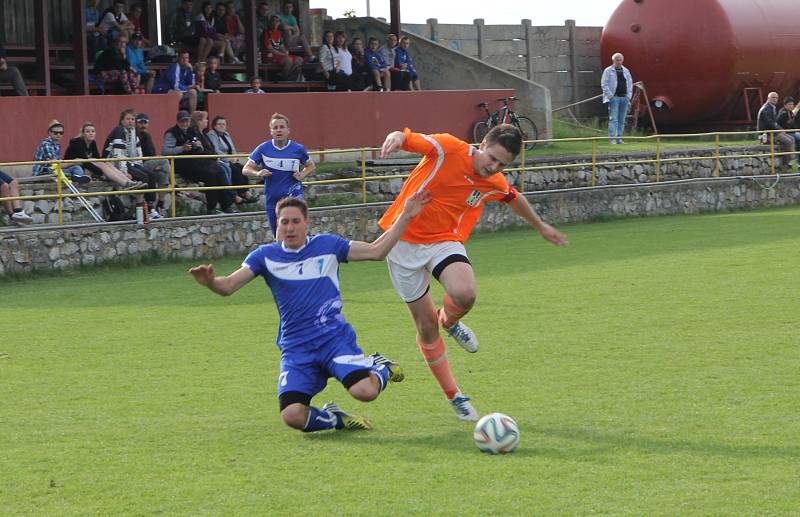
(450, 312)
(436, 357)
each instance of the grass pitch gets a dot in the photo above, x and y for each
(652, 367)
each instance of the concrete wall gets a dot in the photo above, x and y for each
(442, 68)
(26, 250)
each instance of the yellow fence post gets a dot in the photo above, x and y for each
(174, 201)
(60, 199)
(772, 152)
(658, 158)
(717, 164)
(522, 167)
(364, 175)
(594, 162)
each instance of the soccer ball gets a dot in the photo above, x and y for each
(496, 433)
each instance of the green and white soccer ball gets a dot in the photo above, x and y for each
(496, 433)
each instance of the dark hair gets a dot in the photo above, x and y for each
(254, 78)
(336, 35)
(371, 39)
(129, 111)
(217, 119)
(292, 201)
(787, 100)
(507, 136)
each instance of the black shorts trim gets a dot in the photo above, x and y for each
(446, 262)
(354, 377)
(427, 289)
(288, 398)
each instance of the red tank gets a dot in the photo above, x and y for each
(697, 57)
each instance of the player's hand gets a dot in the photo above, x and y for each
(416, 203)
(203, 274)
(553, 235)
(299, 176)
(263, 173)
(392, 143)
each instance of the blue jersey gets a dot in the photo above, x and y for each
(305, 286)
(282, 162)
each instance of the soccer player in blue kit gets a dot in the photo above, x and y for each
(315, 340)
(282, 163)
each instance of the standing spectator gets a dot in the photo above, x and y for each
(262, 22)
(276, 52)
(768, 121)
(123, 142)
(135, 55)
(381, 78)
(289, 25)
(182, 27)
(400, 78)
(11, 75)
(115, 70)
(181, 140)
(255, 85)
(159, 167)
(617, 86)
(213, 80)
(361, 78)
(402, 60)
(10, 188)
(95, 36)
(179, 78)
(114, 23)
(223, 144)
(50, 150)
(84, 146)
(279, 162)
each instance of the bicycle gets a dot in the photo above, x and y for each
(505, 115)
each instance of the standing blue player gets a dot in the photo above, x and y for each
(315, 340)
(282, 163)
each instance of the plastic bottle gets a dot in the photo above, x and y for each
(139, 214)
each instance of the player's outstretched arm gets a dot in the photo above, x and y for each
(222, 285)
(393, 142)
(522, 208)
(380, 247)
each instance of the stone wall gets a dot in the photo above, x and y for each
(29, 249)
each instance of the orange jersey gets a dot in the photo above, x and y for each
(458, 194)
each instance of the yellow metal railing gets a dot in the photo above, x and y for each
(593, 161)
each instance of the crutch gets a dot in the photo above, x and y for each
(66, 181)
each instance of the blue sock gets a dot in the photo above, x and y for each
(319, 420)
(383, 375)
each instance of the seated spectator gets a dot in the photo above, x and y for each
(212, 80)
(210, 40)
(275, 52)
(11, 75)
(160, 167)
(361, 79)
(262, 22)
(223, 144)
(10, 188)
(234, 29)
(95, 36)
(135, 17)
(50, 151)
(114, 69)
(400, 78)
(183, 29)
(84, 146)
(767, 121)
(255, 85)
(135, 55)
(403, 61)
(114, 23)
(330, 61)
(381, 78)
(290, 27)
(123, 142)
(179, 78)
(200, 81)
(183, 139)
(787, 120)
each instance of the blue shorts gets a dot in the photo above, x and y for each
(5, 178)
(308, 371)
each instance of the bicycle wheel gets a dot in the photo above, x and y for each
(528, 130)
(479, 131)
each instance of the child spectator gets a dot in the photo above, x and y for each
(84, 146)
(402, 60)
(135, 55)
(276, 52)
(381, 78)
(10, 188)
(114, 69)
(255, 85)
(212, 80)
(50, 150)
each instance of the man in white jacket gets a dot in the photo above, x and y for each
(617, 85)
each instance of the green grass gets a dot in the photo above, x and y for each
(652, 367)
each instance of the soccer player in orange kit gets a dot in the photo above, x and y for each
(461, 179)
